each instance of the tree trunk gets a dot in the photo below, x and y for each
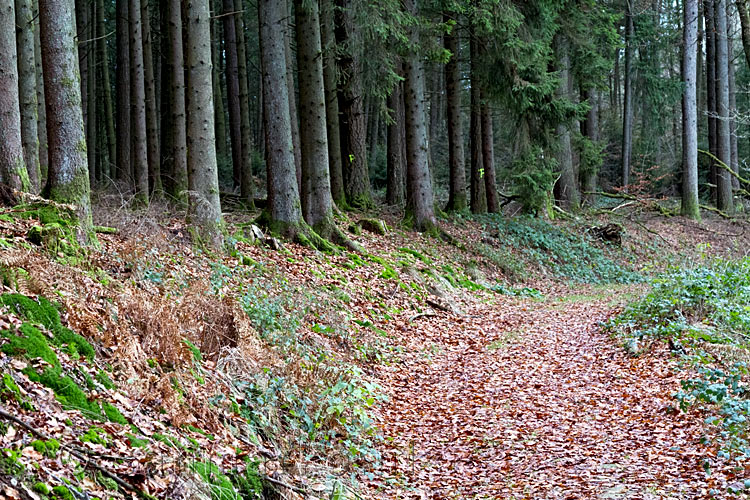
(178, 139)
(283, 208)
(152, 120)
(419, 196)
(591, 130)
(40, 106)
(103, 56)
(246, 131)
(332, 104)
(567, 184)
(27, 85)
(457, 187)
(478, 199)
(353, 120)
(735, 163)
(231, 76)
(82, 34)
(122, 89)
(68, 171)
(293, 115)
(724, 196)
(204, 208)
(220, 127)
(690, 112)
(742, 8)
(711, 90)
(395, 172)
(488, 157)
(627, 112)
(91, 96)
(317, 203)
(12, 167)
(138, 106)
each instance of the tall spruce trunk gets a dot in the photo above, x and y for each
(419, 196)
(567, 185)
(220, 126)
(735, 164)
(12, 167)
(332, 104)
(109, 116)
(317, 203)
(283, 208)
(353, 119)
(178, 119)
(92, 95)
(40, 106)
(231, 76)
(591, 130)
(27, 86)
(246, 131)
(122, 90)
(68, 169)
(138, 106)
(689, 206)
(395, 158)
(488, 158)
(724, 194)
(457, 184)
(711, 109)
(627, 112)
(292, 92)
(478, 201)
(204, 207)
(152, 117)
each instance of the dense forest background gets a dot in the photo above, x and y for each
(308, 106)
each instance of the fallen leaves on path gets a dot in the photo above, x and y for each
(530, 399)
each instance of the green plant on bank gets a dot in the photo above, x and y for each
(703, 313)
(558, 250)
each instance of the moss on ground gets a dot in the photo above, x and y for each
(47, 448)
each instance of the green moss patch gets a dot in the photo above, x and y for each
(220, 485)
(47, 448)
(95, 435)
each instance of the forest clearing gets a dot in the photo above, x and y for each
(364, 249)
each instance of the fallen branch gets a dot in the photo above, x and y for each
(422, 315)
(716, 211)
(106, 473)
(724, 166)
(622, 196)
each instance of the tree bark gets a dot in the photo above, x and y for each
(178, 139)
(395, 171)
(92, 93)
(488, 157)
(478, 201)
(742, 8)
(419, 196)
(68, 169)
(103, 56)
(231, 76)
(246, 131)
(27, 86)
(457, 186)
(591, 130)
(567, 184)
(711, 90)
(152, 120)
(332, 104)
(138, 106)
(283, 206)
(735, 163)
(627, 112)
(724, 195)
(353, 120)
(204, 208)
(689, 206)
(122, 89)
(40, 106)
(12, 168)
(220, 125)
(293, 115)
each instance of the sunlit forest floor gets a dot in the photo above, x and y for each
(487, 364)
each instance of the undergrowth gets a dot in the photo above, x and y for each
(554, 250)
(703, 313)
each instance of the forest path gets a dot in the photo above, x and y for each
(528, 398)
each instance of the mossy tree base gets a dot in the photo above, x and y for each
(298, 232)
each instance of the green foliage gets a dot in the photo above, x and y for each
(248, 483)
(136, 442)
(95, 435)
(559, 251)
(62, 493)
(9, 464)
(47, 448)
(703, 311)
(41, 488)
(10, 391)
(533, 175)
(103, 378)
(220, 485)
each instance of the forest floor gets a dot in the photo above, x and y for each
(474, 369)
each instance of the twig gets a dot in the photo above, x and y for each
(120, 482)
(285, 485)
(422, 315)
